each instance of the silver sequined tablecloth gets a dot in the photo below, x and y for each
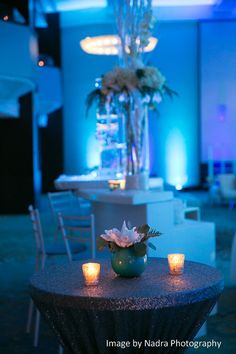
(155, 306)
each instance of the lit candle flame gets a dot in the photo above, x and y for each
(91, 272)
(176, 263)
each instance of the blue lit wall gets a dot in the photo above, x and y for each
(218, 89)
(173, 136)
(79, 73)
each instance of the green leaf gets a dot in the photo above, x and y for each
(140, 73)
(151, 245)
(101, 243)
(153, 233)
(113, 247)
(169, 91)
(92, 97)
(143, 229)
(140, 249)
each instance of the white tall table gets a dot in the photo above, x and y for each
(73, 182)
(194, 238)
(111, 208)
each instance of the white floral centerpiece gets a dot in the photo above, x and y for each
(133, 87)
(128, 248)
(135, 237)
(119, 84)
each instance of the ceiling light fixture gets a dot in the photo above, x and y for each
(109, 45)
(41, 63)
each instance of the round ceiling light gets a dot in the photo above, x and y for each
(109, 45)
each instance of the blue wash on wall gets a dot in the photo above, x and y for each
(174, 140)
(218, 90)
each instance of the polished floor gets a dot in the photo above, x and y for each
(17, 265)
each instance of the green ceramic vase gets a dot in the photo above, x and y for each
(126, 264)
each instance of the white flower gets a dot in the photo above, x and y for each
(122, 98)
(124, 238)
(157, 98)
(118, 80)
(146, 99)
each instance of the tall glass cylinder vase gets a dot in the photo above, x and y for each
(112, 147)
(137, 143)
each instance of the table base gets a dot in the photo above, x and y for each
(103, 332)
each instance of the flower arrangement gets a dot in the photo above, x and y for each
(120, 83)
(133, 87)
(135, 237)
(135, 22)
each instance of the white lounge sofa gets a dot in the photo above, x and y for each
(227, 188)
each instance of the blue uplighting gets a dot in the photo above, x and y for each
(176, 159)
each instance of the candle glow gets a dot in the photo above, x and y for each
(116, 184)
(91, 272)
(176, 263)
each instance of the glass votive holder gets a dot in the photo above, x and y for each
(91, 273)
(116, 184)
(176, 263)
(122, 184)
(113, 184)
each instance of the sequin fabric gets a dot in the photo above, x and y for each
(154, 289)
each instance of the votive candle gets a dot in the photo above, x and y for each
(116, 184)
(176, 263)
(113, 184)
(91, 273)
(122, 184)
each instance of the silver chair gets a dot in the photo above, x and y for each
(78, 229)
(42, 253)
(67, 203)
